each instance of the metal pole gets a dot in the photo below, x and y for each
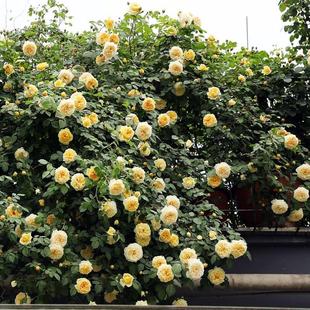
(247, 31)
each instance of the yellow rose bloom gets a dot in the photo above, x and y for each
(102, 38)
(157, 261)
(148, 104)
(42, 66)
(22, 298)
(78, 181)
(180, 302)
(134, 8)
(160, 164)
(165, 273)
(209, 120)
(203, 67)
(266, 70)
(100, 59)
(29, 48)
(133, 252)
(290, 141)
(85, 267)
(216, 276)
(114, 38)
(169, 215)
(133, 93)
(296, 215)
(279, 206)
(12, 211)
(109, 208)
(59, 83)
(222, 170)
(142, 230)
(301, 194)
(155, 224)
(303, 172)
(91, 83)
(212, 235)
(66, 76)
(179, 89)
(93, 118)
(143, 131)
(238, 248)
(83, 286)
(189, 182)
(91, 173)
(126, 133)
(25, 239)
(214, 181)
(79, 101)
(66, 107)
(144, 148)
(126, 280)
(30, 91)
(173, 200)
(143, 241)
(8, 69)
(86, 121)
(241, 78)
(56, 251)
(109, 23)
(249, 72)
(174, 241)
(213, 93)
(21, 154)
(189, 55)
(62, 175)
(231, 102)
(173, 116)
(165, 235)
(187, 254)
(163, 120)
(30, 220)
(69, 156)
(223, 248)
(65, 136)
(131, 203)
(158, 185)
(175, 53)
(175, 67)
(116, 187)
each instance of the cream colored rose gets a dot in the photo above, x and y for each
(165, 235)
(160, 164)
(93, 118)
(174, 241)
(148, 104)
(78, 181)
(189, 182)
(8, 69)
(30, 220)
(195, 269)
(238, 248)
(173, 116)
(30, 91)
(175, 53)
(143, 131)
(175, 67)
(212, 235)
(132, 120)
(62, 175)
(187, 254)
(79, 101)
(301, 194)
(42, 66)
(12, 211)
(66, 76)
(69, 156)
(296, 215)
(165, 273)
(141, 303)
(158, 185)
(216, 276)
(83, 286)
(157, 261)
(109, 50)
(181, 302)
(85, 267)
(185, 19)
(25, 239)
(144, 148)
(303, 172)
(241, 78)
(134, 8)
(116, 187)
(214, 181)
(56, 251)
(173, 200)
(66, 107)
(266, 70)
(222, 170)
(102, 38)
(163, 120)
(279, 206)
(138, 175)
(131, 203)
(209, 120)
(188, 144)
(189, 55)
(179, 89)
(223, 248)
(133, 252)
(21, 154)
(249, 72)
(290, 141)
(65, 136)
(143, 241)
(126, 133)
(59, 237)
(22, 298)
(142, 230)
(109, 208)
(29, 48)
(213, 93)
(169, 215)
(126, 280)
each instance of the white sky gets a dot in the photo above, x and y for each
(225, 19)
